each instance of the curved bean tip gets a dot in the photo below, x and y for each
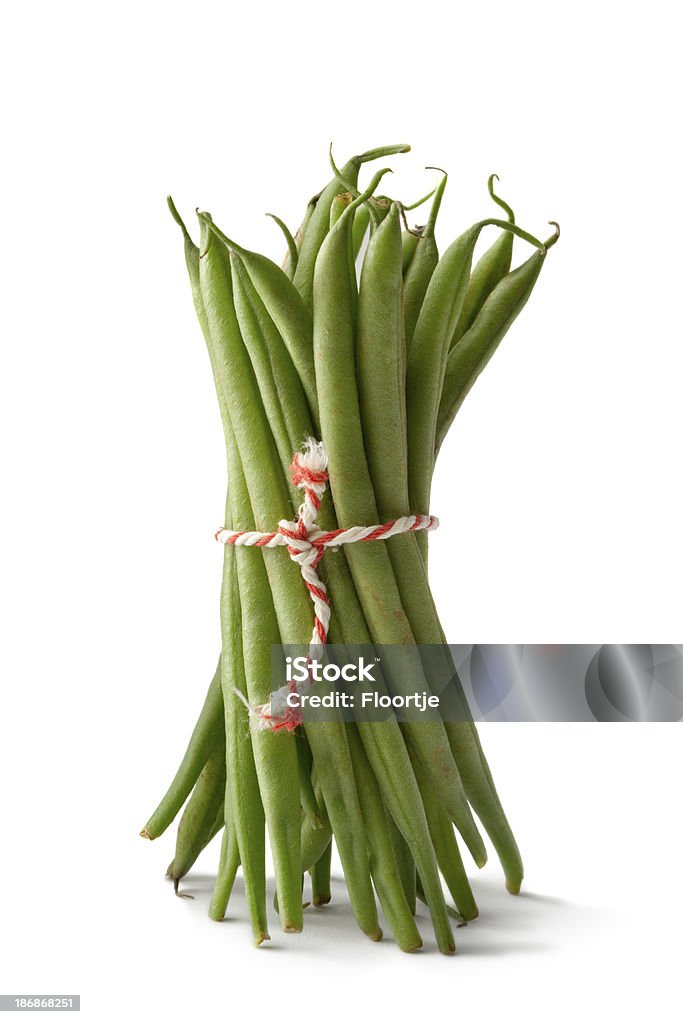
(145, 834)
(180, 895)
(550, 242)
(177, 218)
(496, 198)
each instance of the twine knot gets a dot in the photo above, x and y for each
(306, 545)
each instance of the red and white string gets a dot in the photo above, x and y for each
(306, 545)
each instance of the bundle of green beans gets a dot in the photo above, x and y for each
(375, 362)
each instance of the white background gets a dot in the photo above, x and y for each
(559, 490)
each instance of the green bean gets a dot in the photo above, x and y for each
(339, 204)
(205, 735)
(429, 351)
(422, 266)
(447, 852)
(462, 736)
(284, 306)
(269, 495)
(308, 800)
(383, 741)
(248, 816)
(472, 352)
(409, 240)
(381, 374)
(275, 754)
(405, 865)
(361, 223)
(320, 878)
(314, 842)
(482, 794)
(199, 816)
(245, 798)
(318, 224)
(382, 863)
(491, 268)
(227, 865)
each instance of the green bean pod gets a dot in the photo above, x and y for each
(196, 827)
(268, 490)
(320, 878)
(318, 225)
(205, 736)
(227, 865)
(472, 352)
(361, 222)
(284, 306)
(405, 865)
(381, 398)
(447, 853)
(421, 266)
(377, 387)
(409, 241)
(490, 269)
(428, 354)
(383, 741)
(248, 816)
(275, 754)
(245, 798)
(314, 842)
(309, 802)
(382, 863)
